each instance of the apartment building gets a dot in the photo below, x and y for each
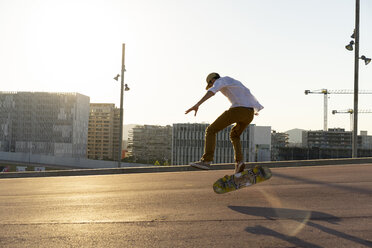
(278, 140)
(149, 143)
(44, 123)
(188, 144)
(104, 131)
(366, 140)
(333, 138)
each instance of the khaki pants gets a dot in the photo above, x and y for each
(242, 117)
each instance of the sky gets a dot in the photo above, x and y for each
(277, 48)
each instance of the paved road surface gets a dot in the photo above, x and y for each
(328, 206)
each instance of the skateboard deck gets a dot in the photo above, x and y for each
(243, 179)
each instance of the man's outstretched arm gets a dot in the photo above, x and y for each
(208, 95)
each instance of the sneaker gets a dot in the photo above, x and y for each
(239, 167)
(201, 165)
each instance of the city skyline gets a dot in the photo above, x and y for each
(278, 49)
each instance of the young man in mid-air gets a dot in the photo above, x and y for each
(244, 106)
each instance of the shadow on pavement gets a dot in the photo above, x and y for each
(333, 185)
(304, 217)
(290, 239)
(286, 213)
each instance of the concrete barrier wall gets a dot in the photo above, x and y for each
(367, 160)
(177, 168)
(78, 163)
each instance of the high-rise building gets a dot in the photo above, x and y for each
(104, 131)
(333, 138)
(44, 123)
(188, 144)
(295, 137)
(278, 140)
(366, 140)
(149, 143)
(334, 143)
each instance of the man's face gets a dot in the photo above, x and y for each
(210, 83)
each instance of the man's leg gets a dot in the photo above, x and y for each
(246, 117)
(235, 133)
(220, 123)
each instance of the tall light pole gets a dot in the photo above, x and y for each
(356, 76)
(121, 102)
(356, 81)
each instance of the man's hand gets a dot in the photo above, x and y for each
(195, 108)
(208, 95)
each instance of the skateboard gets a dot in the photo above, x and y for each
(243, 179)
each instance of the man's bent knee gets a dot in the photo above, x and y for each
(234, 135)
(210, 130)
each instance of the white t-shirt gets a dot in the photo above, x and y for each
(236, 92)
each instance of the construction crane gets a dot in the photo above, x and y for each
(351, 112)
(326, 92)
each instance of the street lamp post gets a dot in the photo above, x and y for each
(122, 89)
(356, 76)
(356, 81)
(121, 105)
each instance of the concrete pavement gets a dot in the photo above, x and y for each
(318, 206)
